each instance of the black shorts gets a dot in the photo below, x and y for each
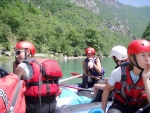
(48, 104)
(118, 107)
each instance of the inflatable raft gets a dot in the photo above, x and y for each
(73, 101)
(93, 107)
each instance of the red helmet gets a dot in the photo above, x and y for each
(90, 50)
(138, 46)
(26, 45)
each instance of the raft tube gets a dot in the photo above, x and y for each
(93, 107)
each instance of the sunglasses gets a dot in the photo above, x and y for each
(19, 52)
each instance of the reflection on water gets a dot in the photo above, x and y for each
(68, 66)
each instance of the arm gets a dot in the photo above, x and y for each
(85, 69)
(105, 96)
(15, 64)
(146, 80)
(114, 77)
(20, 72)
(97, 65)
(101, 85)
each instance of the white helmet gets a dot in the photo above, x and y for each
(120, 52)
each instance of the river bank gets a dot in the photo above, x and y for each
(39, 55)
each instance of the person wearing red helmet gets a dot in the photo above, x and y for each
(93, 71)
(23, 50)
(126, 80)
(29, 72)
(119, 56)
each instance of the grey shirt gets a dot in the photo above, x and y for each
(28, 69)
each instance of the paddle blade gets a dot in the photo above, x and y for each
(76, 74)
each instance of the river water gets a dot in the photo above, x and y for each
(68, 66)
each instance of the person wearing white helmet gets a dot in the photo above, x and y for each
(128, 80)
(119, 55)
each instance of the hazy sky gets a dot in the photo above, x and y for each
(135, 2)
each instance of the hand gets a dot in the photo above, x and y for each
(96, 77)
(104, 110)
(90, 63)
(96, 90)
(146, 73)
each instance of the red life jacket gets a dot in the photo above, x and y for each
(12, 98)
(45, 78)
(126, 91)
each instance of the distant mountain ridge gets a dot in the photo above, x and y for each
(69, 26)
(126, 19)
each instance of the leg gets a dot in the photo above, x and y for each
(117, 108)
(85, 82)
(98, 97)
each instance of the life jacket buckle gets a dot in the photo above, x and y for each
(53, 82)
(128, 88)
(40, 82)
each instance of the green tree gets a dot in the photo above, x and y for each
(146, 33)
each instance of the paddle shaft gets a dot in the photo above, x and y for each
(76, 74)
(83, 89)
(66, 79)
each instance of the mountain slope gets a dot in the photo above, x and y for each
(118, 17)
(60, 26)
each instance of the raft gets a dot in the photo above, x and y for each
(93, 107)
(74, 101)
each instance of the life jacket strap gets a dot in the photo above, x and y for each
(43, 82)
(135, 87)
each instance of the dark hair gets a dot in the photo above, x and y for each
(130, 62)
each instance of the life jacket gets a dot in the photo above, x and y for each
(126, 91)
(45, 77)
(93, 70)
(12, 89)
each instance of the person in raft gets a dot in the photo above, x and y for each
(127, 82)
(119, 56)
(92, 67)
(39, 98)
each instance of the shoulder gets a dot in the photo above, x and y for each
(27, 69)
(25, 66)
(98, 59)
(115, 76)
(86, 59)
(116, 72)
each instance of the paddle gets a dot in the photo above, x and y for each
(83, 89)
(76, 74)
(66, 79)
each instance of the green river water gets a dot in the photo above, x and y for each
(68, 66)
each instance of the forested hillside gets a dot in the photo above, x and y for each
(146, 33)
(128, 20)
(61, 26)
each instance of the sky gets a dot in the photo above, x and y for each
(137, 3)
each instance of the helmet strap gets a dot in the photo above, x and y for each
(25, 53)
(116, 61)
(136, 63)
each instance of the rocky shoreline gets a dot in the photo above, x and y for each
(51, 56)
(58, 56)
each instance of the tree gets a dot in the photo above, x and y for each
(146, 33)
